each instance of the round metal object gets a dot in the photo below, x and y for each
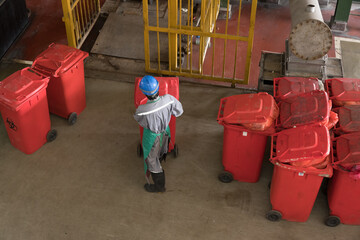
(310, 39)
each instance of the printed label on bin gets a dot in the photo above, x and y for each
(306, 108)
(349, 118)
(20, 86)
(291, 86)
(58, 58)
(301, 144)
(344, 91)
(248, 108)
(347, 152)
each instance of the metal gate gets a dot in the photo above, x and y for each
(79, 17)
(196, 43)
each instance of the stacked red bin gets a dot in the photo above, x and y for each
(56, 83)
(248, 120)
(300, 149)
(167, 85)
(344, 187)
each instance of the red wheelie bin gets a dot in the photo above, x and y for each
(66, 91)
(344, 187)
(248, 119)
(300, 158)
(167, 85)
(24, 109)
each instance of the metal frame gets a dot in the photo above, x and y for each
(79, 17)
(206, 30)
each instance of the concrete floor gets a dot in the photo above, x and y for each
(88, 183)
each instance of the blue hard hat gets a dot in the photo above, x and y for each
(149, 85)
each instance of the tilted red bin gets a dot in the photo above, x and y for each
(306, 108)
(294, 188)
(349, 119)
(344, 187)
(66, 91)
(167, 85)
(344, 91)
(247, 120)
(285, 87)
(24, 109)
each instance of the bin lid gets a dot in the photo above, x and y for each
(349, 118)
(58, 58)
(301, 143)
(247, 108)
(344, 89)
(20, 86)
(285, 87)
(347, 150)
(306, 108)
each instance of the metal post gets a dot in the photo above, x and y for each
(340, 18)
(173, 16)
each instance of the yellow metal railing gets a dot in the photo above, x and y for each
(79, 17)
(200, 34)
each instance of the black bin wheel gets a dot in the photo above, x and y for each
(72, 118)
(176, 151)
(51, 135)
(273, 216)
(332, 221)
(139, 150)
(225, 177)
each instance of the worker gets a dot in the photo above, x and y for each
(154, 117)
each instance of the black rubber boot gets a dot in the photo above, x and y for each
(159, 183)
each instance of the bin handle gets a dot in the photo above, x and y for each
(221, 110)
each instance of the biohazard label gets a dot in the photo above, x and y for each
(11, 124)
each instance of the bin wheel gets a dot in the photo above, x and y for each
(51, 135)
(72, 118)
(139, 150)
(273, 216)
(225, 177)
(176, 151)
(332, 221)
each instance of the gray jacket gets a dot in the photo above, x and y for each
(155, 115)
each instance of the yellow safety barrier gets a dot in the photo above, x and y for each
(79, 17)
(191, 31)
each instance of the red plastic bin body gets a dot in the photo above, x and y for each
(167, 85)
(65, 67)
(243, 153)
(343, 197)
(293, 193)
(24, 109)
(285, 87)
